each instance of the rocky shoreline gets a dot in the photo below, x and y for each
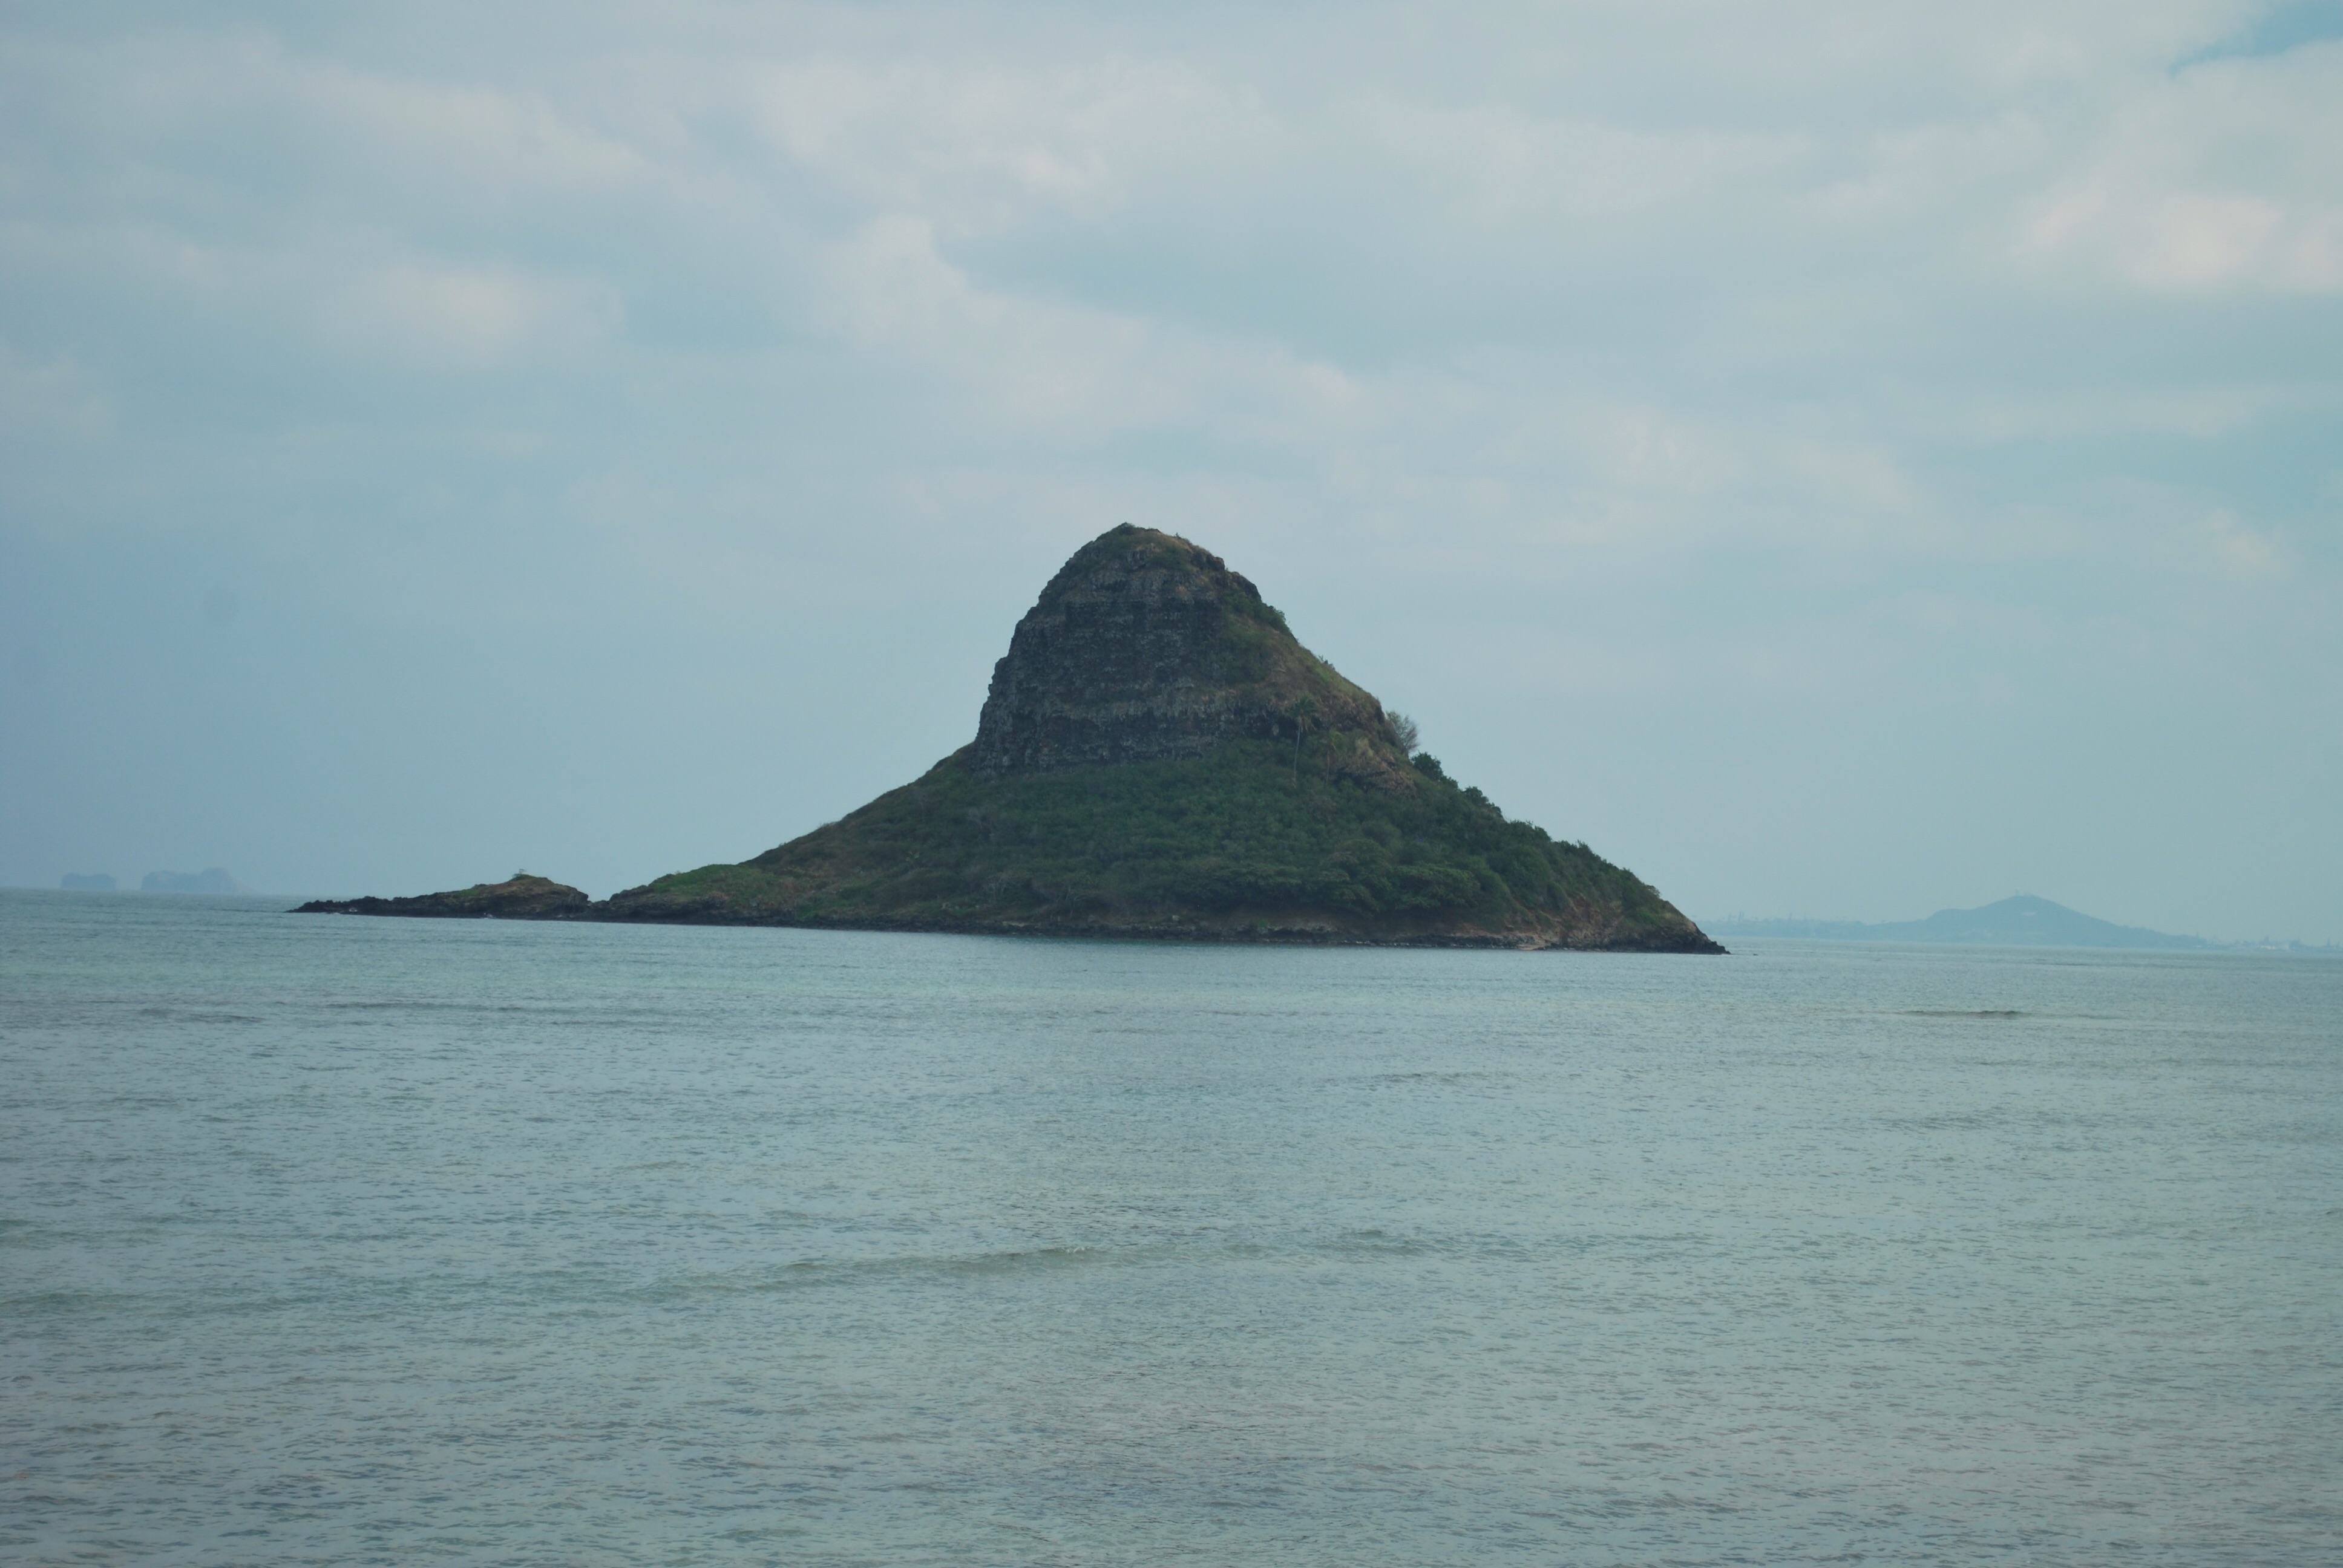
(540, 898)
(521, 896)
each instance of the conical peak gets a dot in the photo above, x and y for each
(1149, 563)
(1144, 647)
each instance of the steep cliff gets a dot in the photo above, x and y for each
(1146, 648)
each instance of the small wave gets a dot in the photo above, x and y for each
(1038, 1258)
(1374, 1241)
(829, 1271)
(1439, 1077)
(1963, 1013)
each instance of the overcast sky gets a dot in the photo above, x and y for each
(1842, 460)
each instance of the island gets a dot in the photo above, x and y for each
(1158, 757)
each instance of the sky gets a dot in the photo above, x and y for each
(1838, 460)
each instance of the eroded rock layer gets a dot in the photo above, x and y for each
(1146, 648)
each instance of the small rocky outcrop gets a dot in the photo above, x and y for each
(520, 897)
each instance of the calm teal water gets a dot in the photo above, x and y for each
(336, 1240)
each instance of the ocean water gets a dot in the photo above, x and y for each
(329, 1240)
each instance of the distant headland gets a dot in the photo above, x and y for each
(2020, 922)
(1158, 757)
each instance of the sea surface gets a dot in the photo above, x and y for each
(334, 1239)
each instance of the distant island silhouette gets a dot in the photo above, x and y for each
(2023, 920)
(1158, 757)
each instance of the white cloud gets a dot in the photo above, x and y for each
(2242, 551)
(439, 315)
(974, 146)
(2228, 175)
(1498, 167)
(366, 134)
(51, 397)
(1065, 373)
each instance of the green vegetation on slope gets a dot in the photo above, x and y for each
(520, 897)
(1240, 841)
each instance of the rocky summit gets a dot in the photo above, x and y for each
(1158, 757)
(1146, 648)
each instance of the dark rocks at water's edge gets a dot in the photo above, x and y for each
(519, 898)
(1158, 757)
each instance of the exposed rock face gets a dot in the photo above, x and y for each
(522, 898)
(1146, 648)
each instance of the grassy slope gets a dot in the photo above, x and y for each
(1227, 844)
(518, 896)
